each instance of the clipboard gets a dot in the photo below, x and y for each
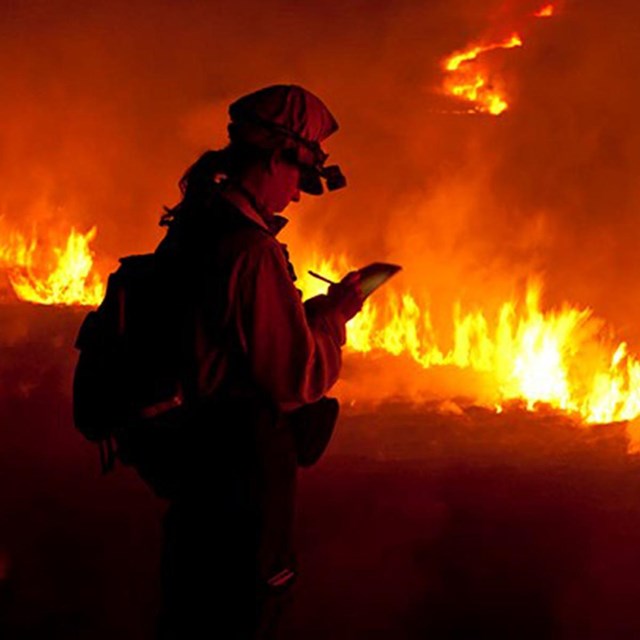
(375, 275)
(372, 276)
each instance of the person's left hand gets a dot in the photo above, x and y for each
(347, 295)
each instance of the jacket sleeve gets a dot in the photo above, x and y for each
(293, 356)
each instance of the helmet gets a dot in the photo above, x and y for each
(293, 119)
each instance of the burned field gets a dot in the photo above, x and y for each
(415, 524)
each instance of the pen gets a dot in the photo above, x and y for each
(317, 275)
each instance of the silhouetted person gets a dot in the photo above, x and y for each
(253, 356)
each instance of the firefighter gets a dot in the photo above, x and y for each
(255, 359)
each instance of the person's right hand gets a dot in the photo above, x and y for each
(347, 295)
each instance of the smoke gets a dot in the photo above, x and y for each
(106, 103)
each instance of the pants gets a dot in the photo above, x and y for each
(227, 561)
(227, 565)
(211, 584)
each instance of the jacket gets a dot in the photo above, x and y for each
(253, 354)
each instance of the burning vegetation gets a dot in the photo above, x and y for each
(558, 357)
(50, 273)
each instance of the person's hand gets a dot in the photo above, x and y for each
(347, 295)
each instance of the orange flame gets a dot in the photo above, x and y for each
(59, 275)
(557, 357)
(473, 84)
(545, 12)
(453, 62)
(468, 80)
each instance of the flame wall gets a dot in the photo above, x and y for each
(106, 103)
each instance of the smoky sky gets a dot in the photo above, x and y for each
(104, 104)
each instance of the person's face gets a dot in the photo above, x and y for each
(284, 184)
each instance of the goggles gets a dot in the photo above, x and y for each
(306, 154)
(314, 176)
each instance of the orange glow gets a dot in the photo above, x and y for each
(56, 274)
(468, 81)
(557, 358)
(545, 12)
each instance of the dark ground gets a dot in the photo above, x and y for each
(414, 525)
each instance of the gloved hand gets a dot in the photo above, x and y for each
(347, 295)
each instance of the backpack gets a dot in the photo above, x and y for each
(129, 366)
(131, 376)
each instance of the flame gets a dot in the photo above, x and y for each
(473, 84)
(545, 12)
(558, 358)
(60, 274)
(453, 62)
(468, 80)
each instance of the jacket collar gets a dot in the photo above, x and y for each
(241, 202)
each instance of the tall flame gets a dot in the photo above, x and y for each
(557, 357)
(60, 274)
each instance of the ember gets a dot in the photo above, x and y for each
(545, 12)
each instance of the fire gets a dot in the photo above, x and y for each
(545, 12)
(468, 80)
(60, 274)
(453, 62)
(558, 358)
(473, 84)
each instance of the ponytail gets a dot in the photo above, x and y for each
(202, 179)
(198, 184)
